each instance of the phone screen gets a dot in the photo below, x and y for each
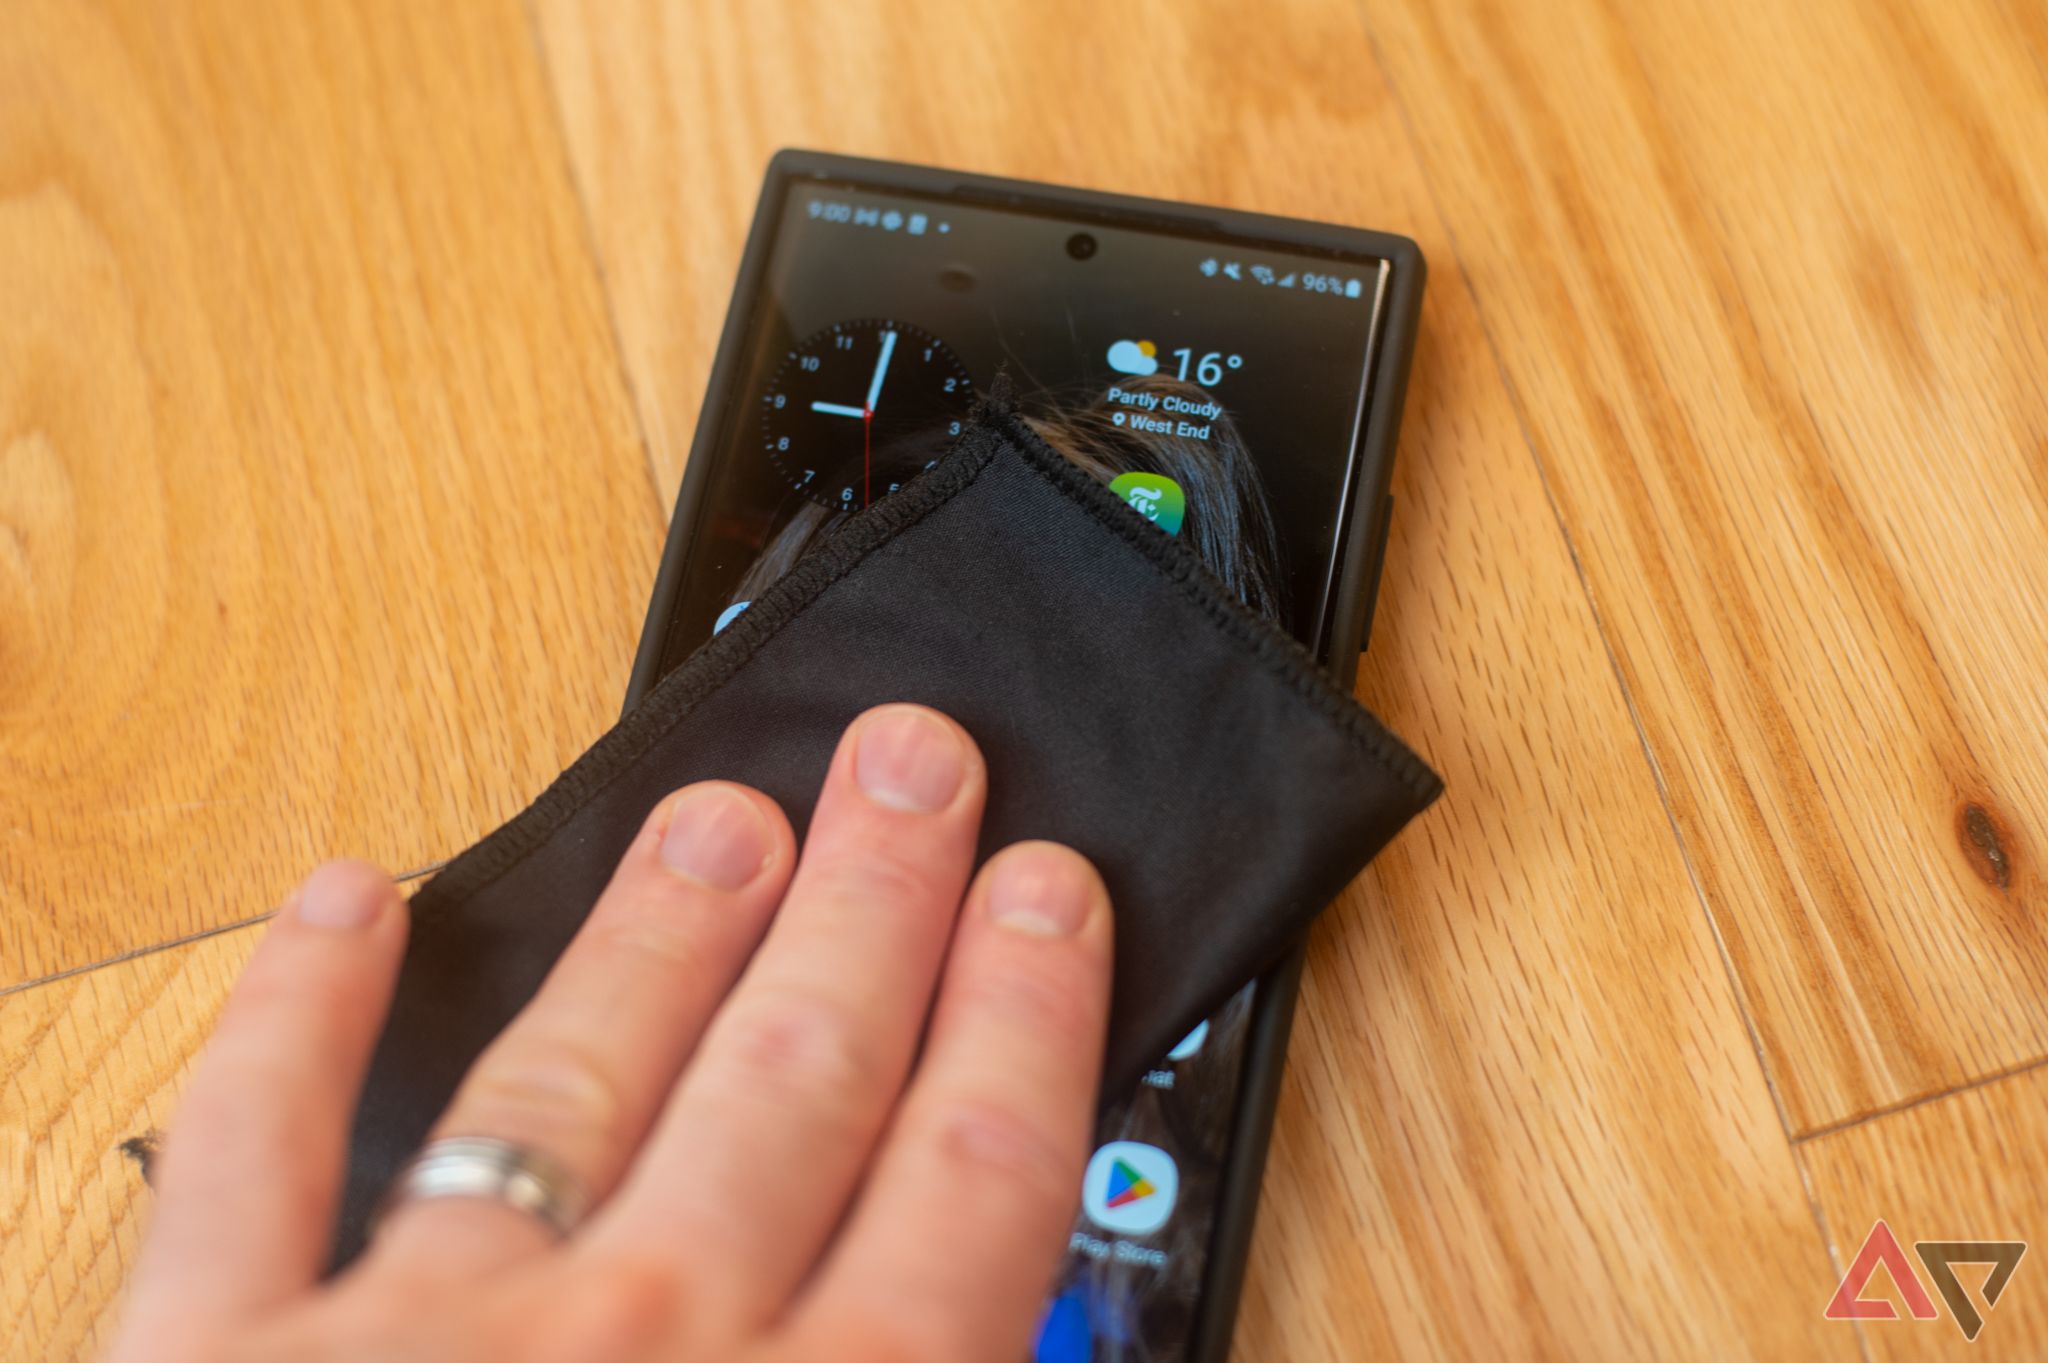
(1217, 385)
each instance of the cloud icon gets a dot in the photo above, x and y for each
(1134, 357)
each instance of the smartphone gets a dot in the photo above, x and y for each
(1237, 378)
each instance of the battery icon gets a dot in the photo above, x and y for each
(1351, 288)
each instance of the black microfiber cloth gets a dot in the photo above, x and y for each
(1126, 705)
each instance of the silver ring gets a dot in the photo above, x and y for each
(499, 1171)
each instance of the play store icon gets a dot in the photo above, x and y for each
(1130, 1187)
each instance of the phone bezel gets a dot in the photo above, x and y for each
(1346, 625)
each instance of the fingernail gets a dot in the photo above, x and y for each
(717, 836)
(342, 896)
(1046, 895)
(907, 759)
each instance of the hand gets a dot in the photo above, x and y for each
(779, 1170)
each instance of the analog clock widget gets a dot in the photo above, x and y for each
(862, 407)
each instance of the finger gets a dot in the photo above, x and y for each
(579, 1075)
(247, 1184)
(960, 1228)
(770, 1129)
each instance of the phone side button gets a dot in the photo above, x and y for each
(1379, 561)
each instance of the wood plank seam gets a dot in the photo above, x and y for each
(1905, 1171)
(635, 401)
(1657, 776)
(1809, 920)
(1543, 477)
(101, 1239)
(1922, 1100)
(149, 948)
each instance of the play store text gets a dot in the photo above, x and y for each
(1119, 1251)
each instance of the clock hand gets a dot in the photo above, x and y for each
(838, 409)
(881, 368)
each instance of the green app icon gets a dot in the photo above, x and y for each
(1155, 497)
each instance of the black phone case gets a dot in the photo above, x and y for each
(1125, 704)
(1341, 636)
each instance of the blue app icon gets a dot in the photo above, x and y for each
(1064, 1336)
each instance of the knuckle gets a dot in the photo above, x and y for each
(670, 941)
(541, 1085)
(1057, 1008)
(794, 1049)
(621, 1302)
(882, 876)
(1002, 1141)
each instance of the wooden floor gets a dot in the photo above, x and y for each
(350, 351)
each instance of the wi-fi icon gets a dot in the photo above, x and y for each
(1263, 273)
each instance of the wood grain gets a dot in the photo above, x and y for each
(87, 1065)
(1519, 1050)
(1766, 282)
(1522, 1118)
(324, 525)
(1715, 588)
(1971, 1166)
